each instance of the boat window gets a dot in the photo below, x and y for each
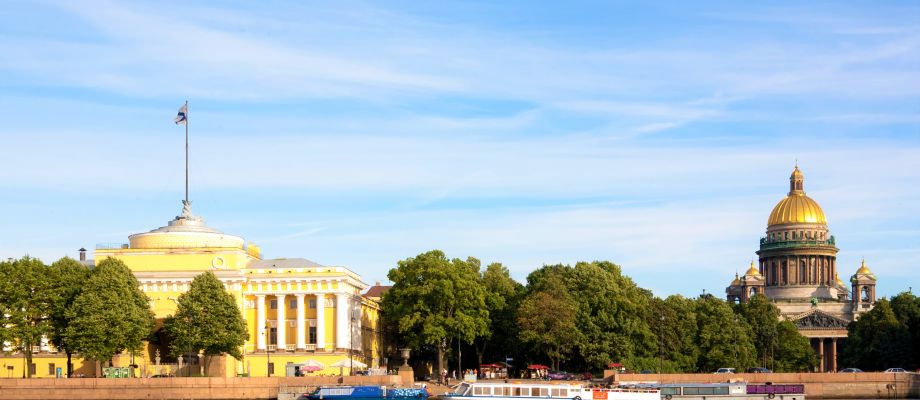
(555, 392)
(564, 392)
(479, 390)
(544, 392)
(704, 390)
(670, 390)
(462, 389)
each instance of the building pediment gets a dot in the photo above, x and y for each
(817, 319)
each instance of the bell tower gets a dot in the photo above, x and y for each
(863, 290)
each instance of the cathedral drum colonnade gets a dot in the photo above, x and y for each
(797, 271)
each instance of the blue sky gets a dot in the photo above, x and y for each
(658, 136)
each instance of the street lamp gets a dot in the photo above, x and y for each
(660, 347)
(188, 367)
(735, 342)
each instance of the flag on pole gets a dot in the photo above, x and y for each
(181, 118)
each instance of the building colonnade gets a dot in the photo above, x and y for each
(799, 270)
(345, 321)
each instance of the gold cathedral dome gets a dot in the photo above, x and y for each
(797, 208)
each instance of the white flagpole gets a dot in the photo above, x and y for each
(186, 151)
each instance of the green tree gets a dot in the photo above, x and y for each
(674, 321)
(779, 345)
(207, 320)
(612, 312)
(434, 299)
(25, 304)
(110, 315)
(503, 296)
(793, 351)
(724, 337)
(547, 319)
(763, 317)
(69, 277)
(877, 340)
(906, 308)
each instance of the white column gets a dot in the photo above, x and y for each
(341, 321)
(260, 322)
(357, 342)
(301, 344)
(320, 322)
(282, 343)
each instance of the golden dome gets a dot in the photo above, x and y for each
(864, 270)
(753, 271)
(797, 208)
(736, 281)
(839, 281)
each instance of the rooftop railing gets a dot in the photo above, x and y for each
(111, 246)
(766, 243)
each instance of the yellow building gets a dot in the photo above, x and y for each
(300, 315)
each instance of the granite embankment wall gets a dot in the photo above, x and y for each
(866, 385)
(175, 388)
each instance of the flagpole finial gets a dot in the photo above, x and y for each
(187, 211)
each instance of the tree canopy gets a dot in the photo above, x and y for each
(207, 320)
(610, 310)
(585, 316)
(434, 299)
(110, 315)
(69, 277)
(26, 301)
(882, 338)
(779, 345)
(503, 297)
(725, 339)
(547, 319)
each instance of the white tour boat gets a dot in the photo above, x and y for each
(554, 391)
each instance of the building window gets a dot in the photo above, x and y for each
(272, 335)
(273, 304)
(271, 368)
(32, 369)
(312, 335)
(312, 303)
(293, 304)
(51, 370)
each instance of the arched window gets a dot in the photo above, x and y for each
(865, 293)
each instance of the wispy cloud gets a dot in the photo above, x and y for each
(360, 134)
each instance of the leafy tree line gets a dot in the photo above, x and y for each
(578, 318)
(887, 336)
(99, 312)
